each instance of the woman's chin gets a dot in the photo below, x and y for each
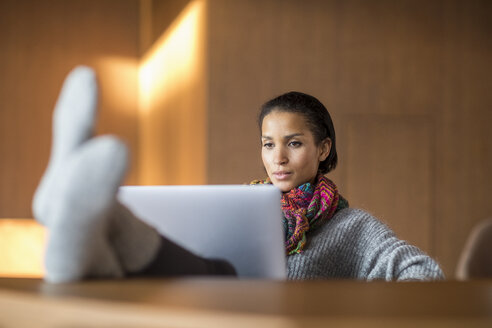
(284, 186)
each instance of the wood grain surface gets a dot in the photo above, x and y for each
(233, 303)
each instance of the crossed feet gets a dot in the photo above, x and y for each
(90, 233)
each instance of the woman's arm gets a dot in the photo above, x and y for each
(386, 257)
(356, 245)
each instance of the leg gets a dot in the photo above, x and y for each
(78, 246)
(73, 119)
(90, 233)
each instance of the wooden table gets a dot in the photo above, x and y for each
(210, 302)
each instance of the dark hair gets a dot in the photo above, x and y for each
(317, 118)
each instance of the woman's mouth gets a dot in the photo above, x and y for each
(282, 175)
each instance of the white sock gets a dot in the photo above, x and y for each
(90, 233)
(78, 245)
(73, 120)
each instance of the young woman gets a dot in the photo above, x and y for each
(92, 235)
(326, 238)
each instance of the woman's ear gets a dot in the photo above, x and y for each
(324, 149)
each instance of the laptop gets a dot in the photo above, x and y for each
(238, 223)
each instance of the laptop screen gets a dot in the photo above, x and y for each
(238, 223)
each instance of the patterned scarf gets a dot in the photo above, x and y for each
(306, 208)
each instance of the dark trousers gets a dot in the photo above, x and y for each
(174, 260)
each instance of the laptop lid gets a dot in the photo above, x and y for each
(238, 223)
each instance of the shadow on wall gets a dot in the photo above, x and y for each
(155, 18)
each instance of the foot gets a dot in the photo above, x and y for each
(82, 201)
(90, 233)
(73, 122)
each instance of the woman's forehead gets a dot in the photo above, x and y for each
(284, 124)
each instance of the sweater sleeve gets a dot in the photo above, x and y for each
(356, 245)
(383, 256)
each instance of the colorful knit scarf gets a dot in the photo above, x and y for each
(306, 208)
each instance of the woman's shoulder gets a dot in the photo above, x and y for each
(355, 216)
(351, 220)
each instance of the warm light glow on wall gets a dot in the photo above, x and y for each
(164, 94)
(118, 83)
(172, 60)
(172, 103)
(21, 248)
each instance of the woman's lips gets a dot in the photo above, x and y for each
(282, 175)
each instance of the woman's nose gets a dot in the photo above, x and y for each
(280, 156)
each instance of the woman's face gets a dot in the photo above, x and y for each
(289, 152)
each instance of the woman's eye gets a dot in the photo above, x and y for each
(268, 145)
(295, 144)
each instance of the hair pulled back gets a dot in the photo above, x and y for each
(317, 117)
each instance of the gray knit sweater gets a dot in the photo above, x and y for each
(356, 245)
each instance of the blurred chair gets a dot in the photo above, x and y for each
(476, 257)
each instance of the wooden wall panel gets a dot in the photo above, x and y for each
(155, 18)
(172, 130)
(390, 172)
(464, 136)
(41, 41)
